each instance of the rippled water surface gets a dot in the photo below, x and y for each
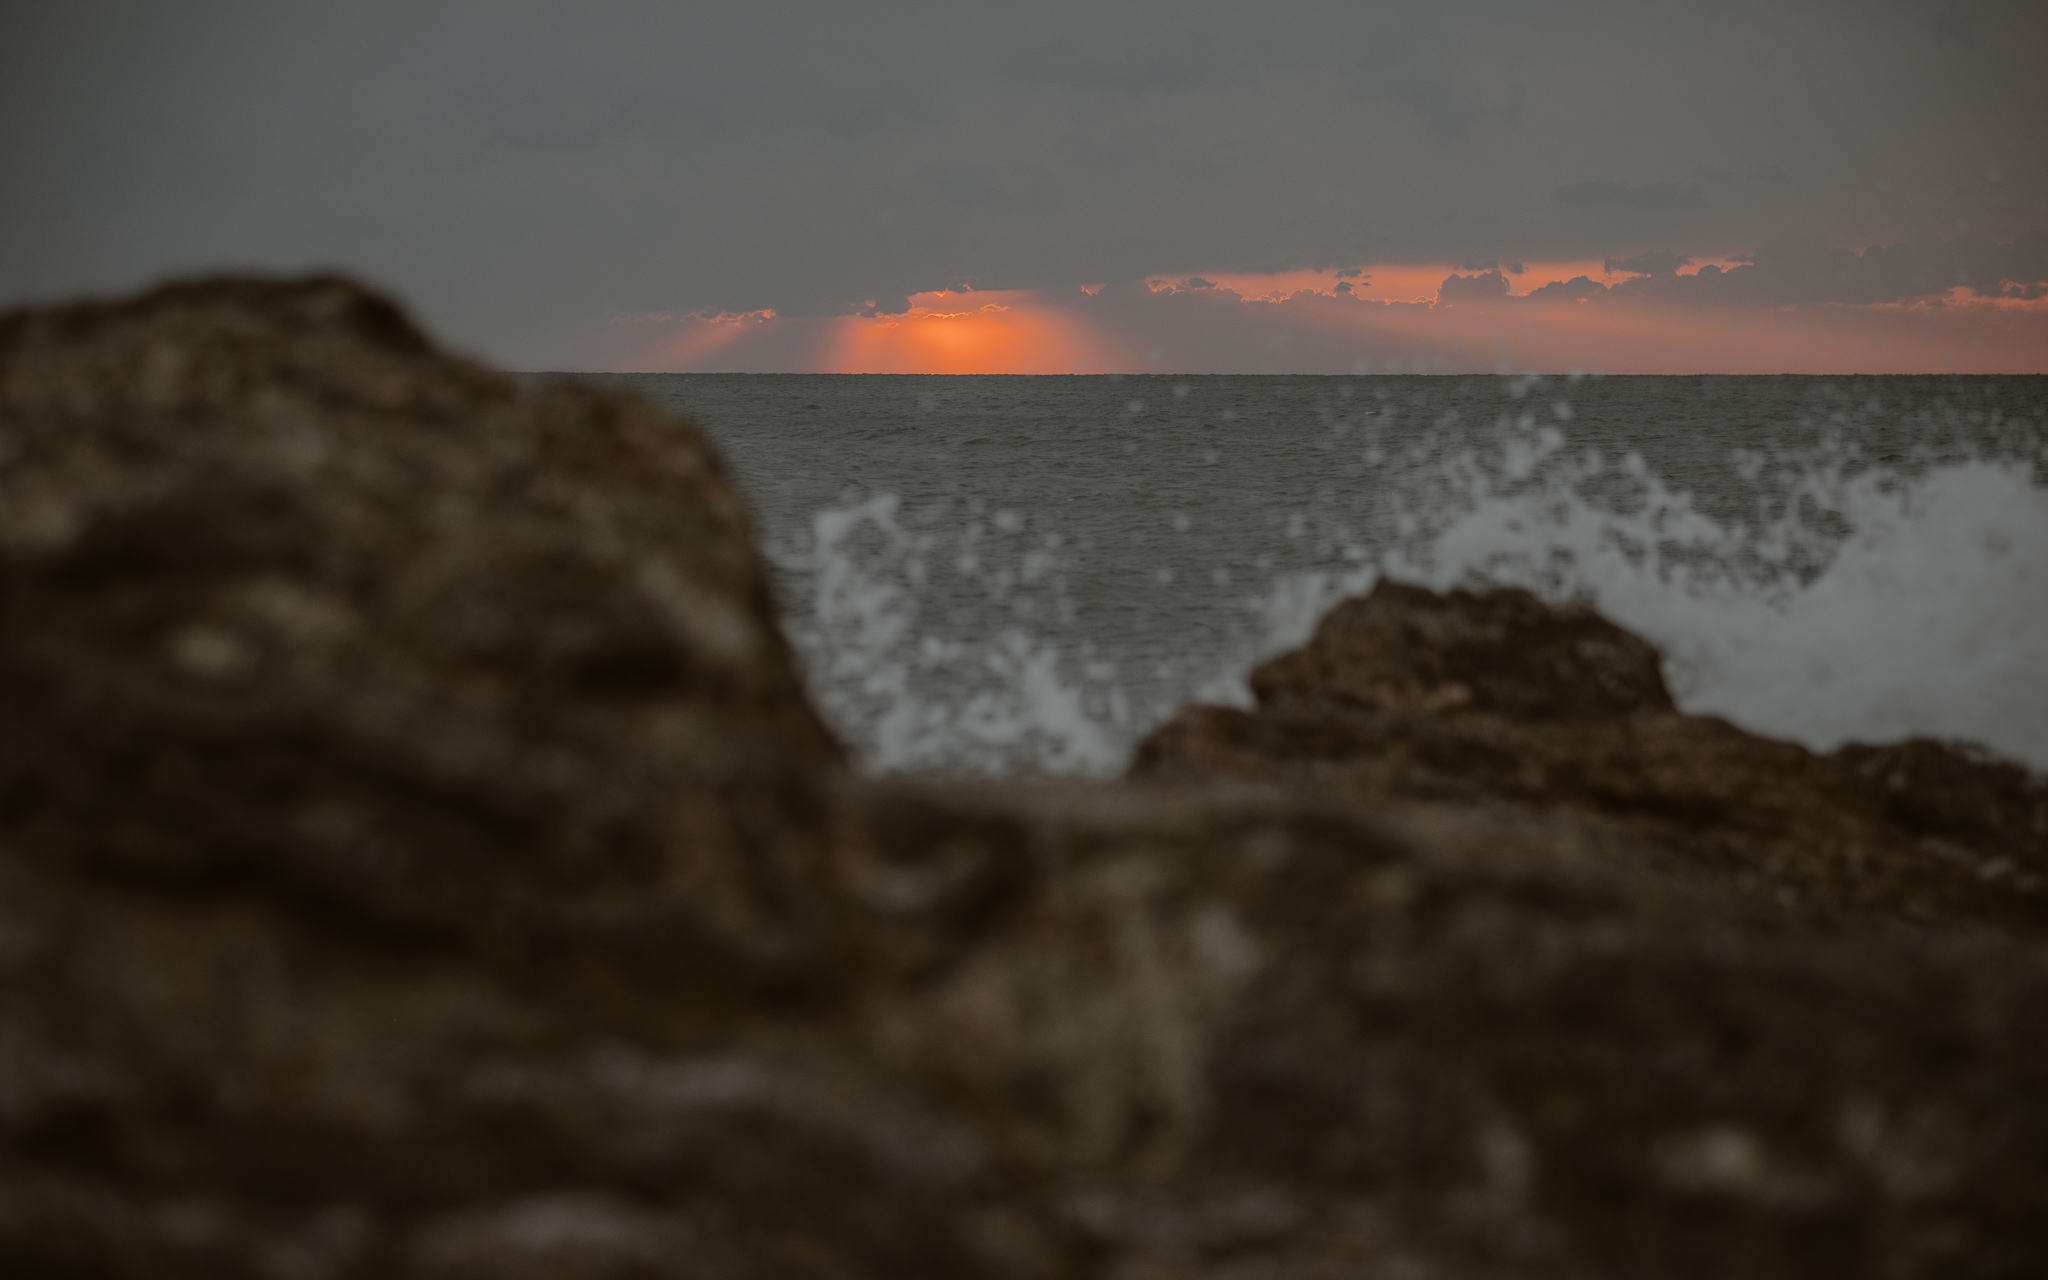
(1024, 574)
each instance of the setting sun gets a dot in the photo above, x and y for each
(1008, 332)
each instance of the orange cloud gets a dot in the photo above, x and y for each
(672, 342)
(1956, 333)
(1391, 281)
(1394, 320)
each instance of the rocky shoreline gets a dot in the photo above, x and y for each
(418, 857)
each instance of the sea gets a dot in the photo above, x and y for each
(1023, 575)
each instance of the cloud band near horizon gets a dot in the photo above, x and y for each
(1966, 304)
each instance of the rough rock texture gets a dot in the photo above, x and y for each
(1254, 1032)
(418, 858)
(296, 603)
(404, 788)
(1497, 696)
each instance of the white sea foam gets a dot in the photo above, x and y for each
(911, 697)
(1916, 607)
(1862, 604)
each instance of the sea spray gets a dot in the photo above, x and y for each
(1862, 603)
(1865, 603)
(1057, 571)
(907, 694)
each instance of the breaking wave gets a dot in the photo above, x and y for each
(1858, 602)
(908, 695)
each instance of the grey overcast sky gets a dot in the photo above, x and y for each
(523, 172)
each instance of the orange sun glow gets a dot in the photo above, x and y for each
(1000, 332)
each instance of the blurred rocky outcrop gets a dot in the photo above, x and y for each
(413, 828)
(418, 857)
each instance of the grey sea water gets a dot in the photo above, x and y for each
(1026, 573)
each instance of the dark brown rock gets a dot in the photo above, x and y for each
(418, 858)
(296, 605)
(1409, 650)
(1237, 1030)
(1494, 696)
(413, 831)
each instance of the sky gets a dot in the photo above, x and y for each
(1054, 188)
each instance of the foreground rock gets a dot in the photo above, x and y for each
(411, 819)
(418, 858)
